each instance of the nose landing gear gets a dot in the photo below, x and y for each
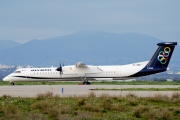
(12, 83)
(85, 81)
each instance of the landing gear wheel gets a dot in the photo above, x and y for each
(12, 84)
(86, 83)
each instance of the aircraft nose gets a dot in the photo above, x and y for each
(6, 79)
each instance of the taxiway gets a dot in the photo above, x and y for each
(81, 90)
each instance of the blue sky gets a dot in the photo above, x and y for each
(24, 20)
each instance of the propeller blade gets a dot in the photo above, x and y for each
(60, 69)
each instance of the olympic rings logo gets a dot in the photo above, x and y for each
(163, 55)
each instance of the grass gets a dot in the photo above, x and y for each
(47, 106)
(93, 83)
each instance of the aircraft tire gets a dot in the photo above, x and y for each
(12, 84)
(86, 83)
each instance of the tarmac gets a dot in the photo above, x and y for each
(82, 90)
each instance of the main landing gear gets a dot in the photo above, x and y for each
(86, 82)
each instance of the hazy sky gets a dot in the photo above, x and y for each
(24, 20)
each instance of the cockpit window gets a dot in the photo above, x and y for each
(17, 71)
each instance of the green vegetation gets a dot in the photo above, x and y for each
(53, 107)
(142, 89)
(93, 83)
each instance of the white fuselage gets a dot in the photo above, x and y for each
(158, 63)
(74, 73)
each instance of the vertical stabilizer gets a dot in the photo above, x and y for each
(162, 55)
(160, 60)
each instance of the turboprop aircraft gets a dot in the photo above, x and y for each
(80, 71)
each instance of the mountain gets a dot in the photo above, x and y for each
(97, 48)
(6, 44)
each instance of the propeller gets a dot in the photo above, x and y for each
(60, 69)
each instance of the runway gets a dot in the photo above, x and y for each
(81, 90)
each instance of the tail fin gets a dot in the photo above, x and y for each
(162, 55)
(160, 60)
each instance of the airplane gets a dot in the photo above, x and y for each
(80, 71)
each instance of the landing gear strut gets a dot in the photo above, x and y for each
(86, 82)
